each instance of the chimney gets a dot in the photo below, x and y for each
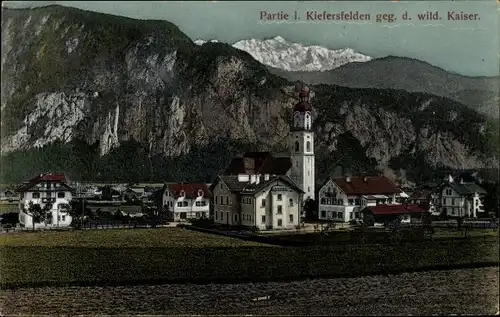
(461, 180)
(257, 179)
(252, 179)
(365, 179)
(450, 179)
(266, 177)
(348, 179)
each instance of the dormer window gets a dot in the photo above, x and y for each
(200, 193)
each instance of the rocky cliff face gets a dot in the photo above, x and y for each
(69, 74)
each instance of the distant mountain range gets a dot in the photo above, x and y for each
(344, 67)
(280, 53)
(114, 98)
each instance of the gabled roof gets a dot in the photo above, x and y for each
(263, 163)
(466, 188)
(51, 177)
(232, 182)
(190, 190)
(254, 188)
(422, 194)
(395, 209)
(370, 185)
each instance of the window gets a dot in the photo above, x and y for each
(453, 201)
(263, 203)
(227, 200)
(308, 173)
(291, 202)
(263, 219)
(323, 214)
(235, 218)
(448, 191)
(297, 146)
(280, 210)
(350, 202)
(216, 215)
(290, 218)
(216, 200)
(341, 215)
(358, 201)
(308, 146)
(341, 202)
(308, 188)
(63, 218)
(61, 194)
(200, 193)
(221, 215)
(323, 201)
(296, 163)
(35, 195)
(179, 204)
(280, 222)
(184, 203)
(351, 215)
(280, 196)
(183, 215)
(197, 215)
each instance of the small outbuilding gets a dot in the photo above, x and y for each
(388, 213)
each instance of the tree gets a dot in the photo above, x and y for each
(77, 213)
(37, 213)
(311, 209)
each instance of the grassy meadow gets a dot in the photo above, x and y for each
(166, 255)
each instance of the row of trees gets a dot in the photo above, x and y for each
(131, 162)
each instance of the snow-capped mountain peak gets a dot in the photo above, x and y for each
(280, 53)
(201, 42)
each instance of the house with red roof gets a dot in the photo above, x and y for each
(342, 198)
(388, 213)
(50, 191)
(187, 201)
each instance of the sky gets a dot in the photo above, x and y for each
(469, 47)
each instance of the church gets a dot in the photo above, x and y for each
(265, 191)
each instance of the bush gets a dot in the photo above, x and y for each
(255, 229)
(202, 222)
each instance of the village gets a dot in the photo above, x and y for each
(256, 192)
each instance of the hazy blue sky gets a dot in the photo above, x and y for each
(466, 47)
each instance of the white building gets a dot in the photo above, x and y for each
(460, 199)
(263, 201)
(260, 190)
(187, 201)
(49, 191)
(302, 151)
(342, 198)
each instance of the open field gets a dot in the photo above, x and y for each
(122, 238)
(379, 236)
(462, 292)
(172, 255)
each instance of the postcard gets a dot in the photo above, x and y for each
(249, 157)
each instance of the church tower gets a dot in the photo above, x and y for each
(302, 151)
